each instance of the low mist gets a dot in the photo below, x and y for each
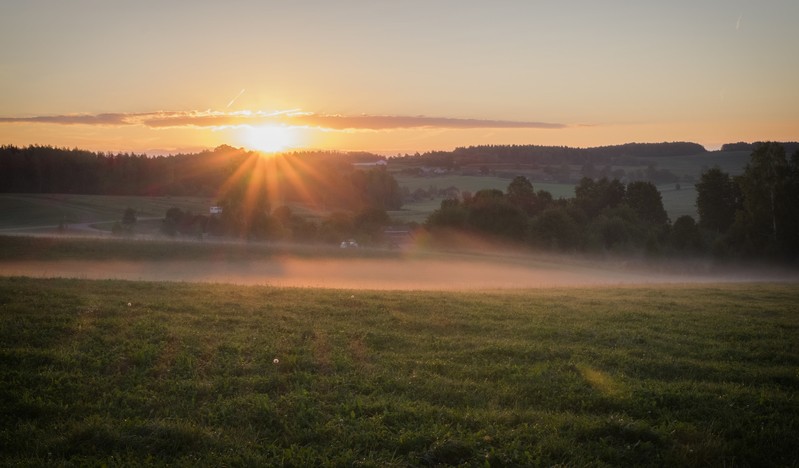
(442, 272)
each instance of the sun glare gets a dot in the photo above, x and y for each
(269, 138)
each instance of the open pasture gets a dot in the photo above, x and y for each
(30, 210)
(110, 372)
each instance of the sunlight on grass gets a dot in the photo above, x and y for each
(600, 381)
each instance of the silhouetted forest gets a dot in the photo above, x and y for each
(790, 147)
(326, 179)
(527, 154)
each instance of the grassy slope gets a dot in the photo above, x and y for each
(33, 210)
(110, 371)
(679, 202)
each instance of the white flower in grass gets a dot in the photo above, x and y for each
(275, 361)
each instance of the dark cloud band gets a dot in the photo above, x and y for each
(324, 121)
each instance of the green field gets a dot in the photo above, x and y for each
(47, 210)
(679, 202)
(474, 183)
(116, 372)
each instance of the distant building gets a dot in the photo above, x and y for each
(381, 163)
(216, 210)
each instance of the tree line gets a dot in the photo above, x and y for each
(326, 179)
(754, 215)
(552, 155)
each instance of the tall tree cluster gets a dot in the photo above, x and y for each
(757, 213)
(604, 215)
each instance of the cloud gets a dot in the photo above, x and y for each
(388, 122)
(72, 119)
(172, 119)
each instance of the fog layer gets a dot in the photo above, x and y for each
(387, 274)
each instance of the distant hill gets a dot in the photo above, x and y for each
(790, 147)
(626, 154)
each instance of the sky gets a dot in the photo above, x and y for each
(395, 76)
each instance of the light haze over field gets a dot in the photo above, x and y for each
(395, 76)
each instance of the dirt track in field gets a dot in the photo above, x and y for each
(387, 274)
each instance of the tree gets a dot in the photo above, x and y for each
(788, 210)
(129, 218)
(369, 223)
(452, 214)
(594, 196)
(716, 200)
(522, 195)
(126, 224)
(555, 229)
(337, 227)
(685, 235)
(490, 212)
(172, 221)
(645, 200)
(617, 228)
(763, 184)
(378, 188)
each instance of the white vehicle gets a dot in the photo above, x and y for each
(349, 244)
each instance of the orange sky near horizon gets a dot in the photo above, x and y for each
(395, 77)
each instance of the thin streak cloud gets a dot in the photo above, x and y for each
(172, 119)
(234, 99)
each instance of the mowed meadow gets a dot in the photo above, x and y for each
(123, 372)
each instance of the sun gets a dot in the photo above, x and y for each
(269, 138)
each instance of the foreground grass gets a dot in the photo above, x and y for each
(54, 248)
(108, 372)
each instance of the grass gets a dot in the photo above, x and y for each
(34, 210)
(474, 183)
(116, 372)
(679, 202)
(54, 248)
